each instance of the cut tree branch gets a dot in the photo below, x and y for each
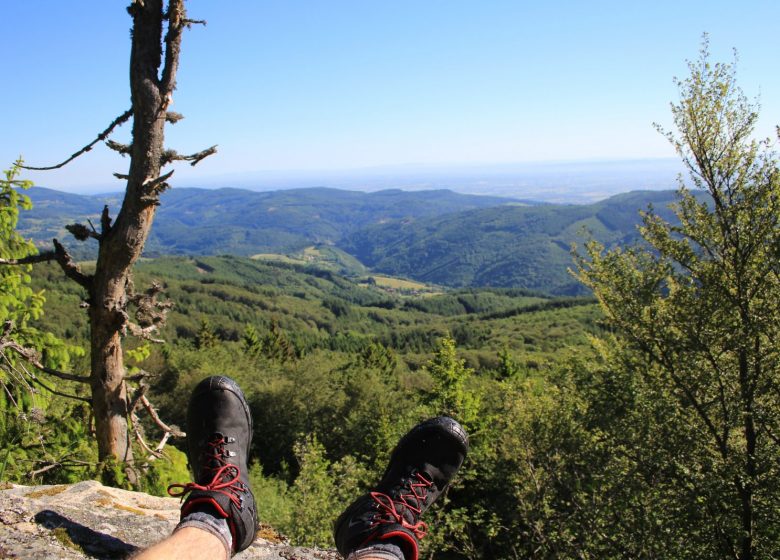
(82, 232)
(121, 119)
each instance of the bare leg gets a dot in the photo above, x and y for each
(189, 542)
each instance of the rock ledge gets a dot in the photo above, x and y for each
(89, 520)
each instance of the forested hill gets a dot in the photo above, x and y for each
(506, 246)
(240, 222)
(438, 236)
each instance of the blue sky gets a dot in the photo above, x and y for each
(332, 85)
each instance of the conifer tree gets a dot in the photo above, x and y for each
(250, 341)
(206, 337)
(451, 396)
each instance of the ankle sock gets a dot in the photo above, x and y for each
(217, 526)
(385, 551)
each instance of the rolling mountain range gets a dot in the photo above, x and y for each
(437, 236)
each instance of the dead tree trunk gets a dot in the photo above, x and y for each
(121, 243)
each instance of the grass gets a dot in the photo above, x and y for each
(402, 284)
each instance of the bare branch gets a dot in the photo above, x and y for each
(58, 393)
(172, 155)
(63, 258)
(120, 148)
(32, 259)
(62, 462)
(121, 119)
(31, 356)
(173, 117)
(163, 441)
(121, 176)
(50, 466)
(173, 430)
(190, 22)
(140, 438)
(143, 332)
(69, 266)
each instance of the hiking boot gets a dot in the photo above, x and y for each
(219, 435)
(421, 467)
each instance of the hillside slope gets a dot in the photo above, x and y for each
(507, 246)
(241, 222)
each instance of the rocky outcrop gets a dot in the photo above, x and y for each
(89, 520)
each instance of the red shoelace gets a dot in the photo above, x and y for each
(226, 479)
(392, 511)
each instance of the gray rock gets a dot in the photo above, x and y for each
(89, 520)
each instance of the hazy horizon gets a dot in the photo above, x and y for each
(566, 181)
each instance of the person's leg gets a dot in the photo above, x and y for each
(190, 543)
(385, 523)
(218, 516)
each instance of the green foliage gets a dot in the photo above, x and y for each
(274, 505)
(157, 475)
(451, 395)
(702, 309)
(359, 382)
(19, 303)
(305, 510)
(41, 438)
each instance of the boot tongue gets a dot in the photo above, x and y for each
(435, 475)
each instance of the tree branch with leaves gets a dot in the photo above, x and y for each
(701, 298)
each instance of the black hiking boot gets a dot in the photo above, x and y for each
(219, 434)
(421, 467)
